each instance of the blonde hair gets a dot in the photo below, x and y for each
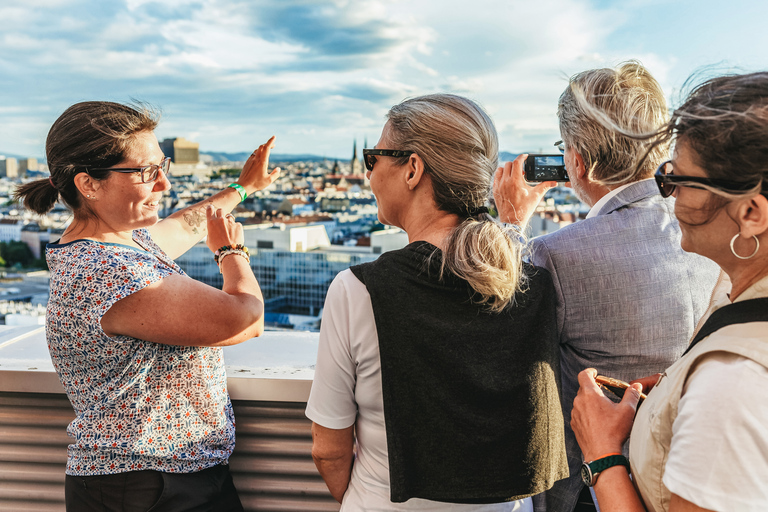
(599, 100)
(457, 142)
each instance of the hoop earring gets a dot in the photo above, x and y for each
(757, 247)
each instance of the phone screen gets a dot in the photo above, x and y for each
(549, 161)
(545, 168)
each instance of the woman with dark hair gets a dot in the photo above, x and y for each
(135, 341)
(439, 361)
(700, 439)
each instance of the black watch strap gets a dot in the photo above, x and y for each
(590, 470)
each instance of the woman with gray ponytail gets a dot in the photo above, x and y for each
(439, 361)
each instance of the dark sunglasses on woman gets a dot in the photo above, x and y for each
(369, 155)
(667, 182)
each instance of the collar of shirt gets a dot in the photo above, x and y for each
(607, 197)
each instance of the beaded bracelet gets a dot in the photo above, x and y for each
(232, 251)
(237, 247)
(240, 190)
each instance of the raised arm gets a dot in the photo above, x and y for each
(515, 199)
(177, 233)
(177, 310)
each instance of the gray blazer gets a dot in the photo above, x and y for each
(628, 300)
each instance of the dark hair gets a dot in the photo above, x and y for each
(88, 134)
(725, 122)
(598, 100)
(457, 142)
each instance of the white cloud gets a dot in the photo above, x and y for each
(317, 73)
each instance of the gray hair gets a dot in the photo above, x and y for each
(599, 107)
(457, 142)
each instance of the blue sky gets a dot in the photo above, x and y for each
(230, 73)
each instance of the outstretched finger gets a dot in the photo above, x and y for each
(274, 174)
(269, 144)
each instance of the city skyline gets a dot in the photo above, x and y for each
(319, 74)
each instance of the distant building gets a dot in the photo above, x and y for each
(185, 157)
(294, 206)
(10, 230)
(294, 265)
(334, 204)
(36, 238)
(9, 168)
(389, 239)
(181, 150)
(27, 164)
(354, 165)
(286, 238)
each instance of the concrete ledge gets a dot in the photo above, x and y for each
(278, 366)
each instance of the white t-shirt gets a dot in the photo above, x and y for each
(347, 391)
(718, 458)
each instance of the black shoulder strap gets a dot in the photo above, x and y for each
(752, 310)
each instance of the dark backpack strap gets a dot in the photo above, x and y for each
(752, 310)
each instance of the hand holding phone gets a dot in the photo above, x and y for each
(616, 386)
(545, 168)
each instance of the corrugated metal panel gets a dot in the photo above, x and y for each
(272, 463)
(33, 451)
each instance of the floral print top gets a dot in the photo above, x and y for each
(139, 405)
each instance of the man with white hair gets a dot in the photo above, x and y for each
(628, 296)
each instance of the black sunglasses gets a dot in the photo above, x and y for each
(369, 155)
(149, 173)
(667, 182)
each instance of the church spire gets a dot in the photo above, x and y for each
(354, 165)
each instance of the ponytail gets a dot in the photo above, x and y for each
(489, 257)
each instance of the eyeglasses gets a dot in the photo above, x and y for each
(149, 173)
(667, 182)
(560, 145)
(369, 155)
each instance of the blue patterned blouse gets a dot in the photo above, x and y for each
(139, 405)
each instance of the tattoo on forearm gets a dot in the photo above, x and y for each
(196, 219)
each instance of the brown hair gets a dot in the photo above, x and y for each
(627, 97)
(89, 134)
(457, 142)
(725, 122)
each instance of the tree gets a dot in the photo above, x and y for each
(15, 252)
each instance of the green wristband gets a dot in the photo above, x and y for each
(240, 190)
(590, 470)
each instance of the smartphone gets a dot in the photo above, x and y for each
(545, 168)
(616, 386)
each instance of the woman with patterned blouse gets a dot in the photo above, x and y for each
(135, 341)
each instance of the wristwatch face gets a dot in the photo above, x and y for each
(586, 475)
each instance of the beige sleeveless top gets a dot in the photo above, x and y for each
(652, 431)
